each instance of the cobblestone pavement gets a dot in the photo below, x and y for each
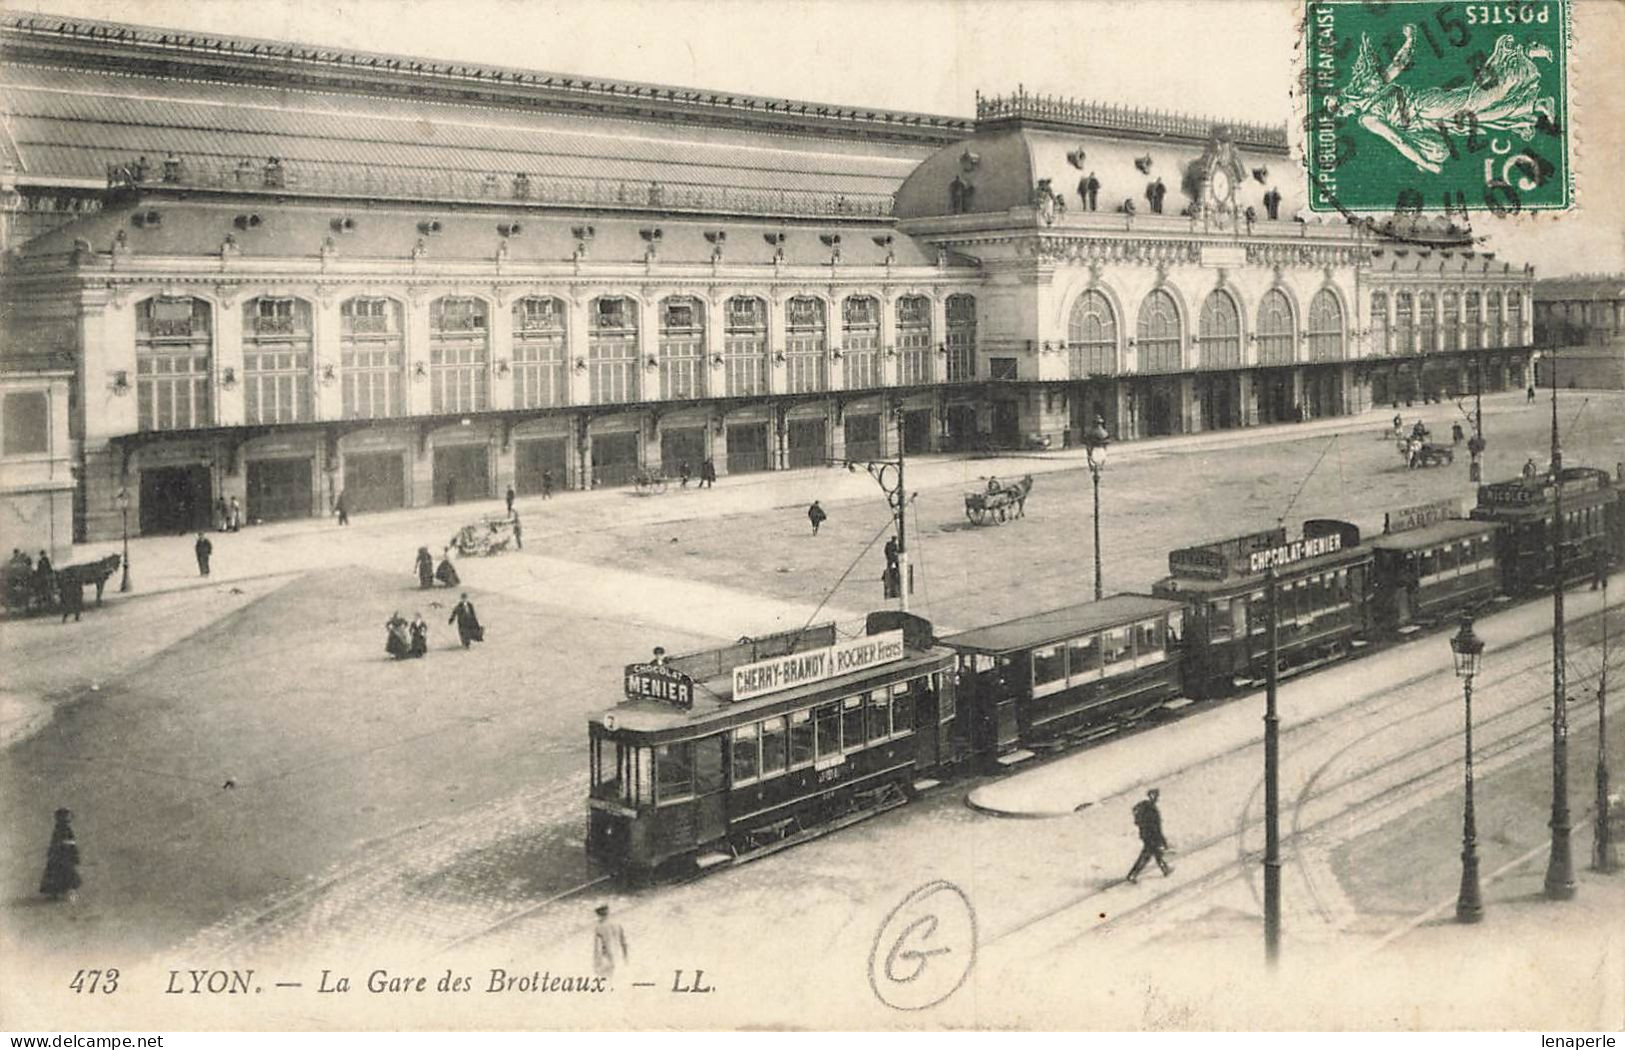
(421, 805)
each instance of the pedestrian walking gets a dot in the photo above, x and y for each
(1148, 821)
(816, 515)
(446, 572)
(342, 506)
(1530, 470)
(467, 621)
(1456, 433)
(236, 515)
(608, 944)
(708, 474)
(71, 594)
(203, 548)
(61, 877)
(510, 499)
(222, 515)
(419, 630)
(451, 491)
(892, 580)
(518, 533)
(44, 582)
(1531, 398)
(682, 474)
(547, 484)
(425, 568)
(398, 640)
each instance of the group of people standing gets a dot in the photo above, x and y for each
(410, 639)
(428, 572)
(228, 515)
(708, 474)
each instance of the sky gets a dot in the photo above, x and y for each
(1223, 58)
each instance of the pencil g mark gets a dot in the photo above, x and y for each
(925, 948)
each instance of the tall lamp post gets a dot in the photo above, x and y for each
(1095, 440)
(1560, 865)
(1468, 649)
(1605, 855)
(122, 502)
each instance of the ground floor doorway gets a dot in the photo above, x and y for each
(862, 436)
(808, 442)
(961, 425)
(747, 448)
(176, 499)
(917, 431)
(462, 472)
(279, 489)
(614, 458)
(680, 446)
(535, 460)
(1006, 424)
(374, 481)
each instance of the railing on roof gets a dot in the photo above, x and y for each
(493, 76)
(276, 176)
(1103, 116)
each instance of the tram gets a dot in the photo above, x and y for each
(1593, 527)
(1043, 680)
(722, 755)
(1431, 565)
(1322, 581)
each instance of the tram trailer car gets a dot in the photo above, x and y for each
(1593, 527)
(725, 754)
(1431, 565)
(1042, 680)
(1322, 591)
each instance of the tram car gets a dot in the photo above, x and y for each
(1322, 591)
(723, 755)
(1047, 679)
(1431, 565)
(1593, 527)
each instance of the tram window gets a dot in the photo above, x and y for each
(1176, 627)
(852, 722)
(747, 756)
(1428, 562)
(1148, 642)
(1219, 625)
(674, 771)
(902, 709)
(709, 756)
(773, 745)
(945, 700)
(1083, 658)
(607, 762)
(1257, 612)
(879, 715)
(827, 719)
(801, 739)
(1049, 668)
(1447, 558)
(1116, 649)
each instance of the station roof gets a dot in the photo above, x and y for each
(1056, 625)
(299, 229)
(1410, 260)
(1431, 535)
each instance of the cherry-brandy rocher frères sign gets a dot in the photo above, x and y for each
(1437, 107)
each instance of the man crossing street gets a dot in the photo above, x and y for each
(1148, 820)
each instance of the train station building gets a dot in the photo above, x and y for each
(280, 273)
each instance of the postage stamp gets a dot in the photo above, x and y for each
(1417, 105)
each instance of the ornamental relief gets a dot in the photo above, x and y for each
(1320, 255)
(1141, 252)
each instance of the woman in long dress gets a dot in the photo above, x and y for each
(447, 572)
(420, 635)
(399, 642)
(425, 567)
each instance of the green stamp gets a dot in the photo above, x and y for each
(1454, 107)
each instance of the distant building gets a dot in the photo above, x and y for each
(280, 272)
(1583, 319)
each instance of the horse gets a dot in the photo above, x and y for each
(97, 572)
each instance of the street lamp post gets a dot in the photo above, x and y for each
(122, 501)
(1605, 857)
(1095, 440)
(1560, 864)
(1272, 780)
(1468, 649)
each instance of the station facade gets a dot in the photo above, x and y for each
(281, 274)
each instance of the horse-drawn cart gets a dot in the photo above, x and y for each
(649, 482)
(998, 502)
(491, 534)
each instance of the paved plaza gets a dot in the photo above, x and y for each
(436, 806)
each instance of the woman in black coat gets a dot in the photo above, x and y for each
(425, 567)
(467, 621)
(61, 861)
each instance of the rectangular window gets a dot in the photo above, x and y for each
(28, 423)
(1148, 643)
(674, 772)
(1083, 659)
(774, 740)
(827, 719)
(709, 758)
(852, 722)
(1219, 619)
(746, 749)
(801, 739)
(902, 708)
(879, 715)
(1117, 650)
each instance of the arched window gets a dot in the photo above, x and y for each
(1275, 331)
(612, 350)
(1452, 320)
(961, 342)
(540, 352)
(913, 340)
(1492, 314)
(276, 360)
(1428, 322)
(459, 352)
(805, 345)
(1091, 335)
(174, 339)
(1473, 323)
(682, 347)
(860, 341)
(1158, 333)
(1325, 327)
(1219, 327)
(372, 358)
(744, 346)
(1379, 323)
(1405, 322)
(1515, 318)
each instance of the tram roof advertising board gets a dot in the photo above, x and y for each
(1220, 559)
(1420, 517)
(660, 683)
(1521, 493)
(815, 665)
